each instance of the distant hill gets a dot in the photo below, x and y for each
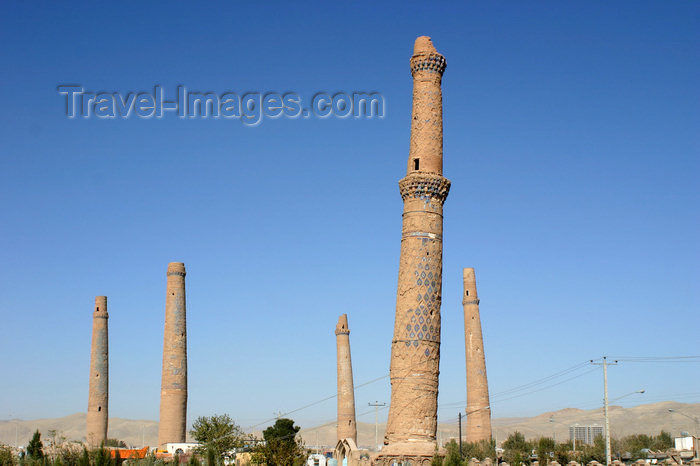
(73, 428)
(643, 419)
(649, 419)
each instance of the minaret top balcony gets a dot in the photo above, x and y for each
(426, 61)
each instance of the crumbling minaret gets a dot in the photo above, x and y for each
(173, 392)
(478, 406)
(415, 348)
(98, 397)
(347, 427)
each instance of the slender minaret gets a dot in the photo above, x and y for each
(346, 392)
(415, 348)
(98, 398)
(478, 407)
(173, 392)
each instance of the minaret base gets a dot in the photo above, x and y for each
(418, 453)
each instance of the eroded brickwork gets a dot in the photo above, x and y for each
(415, 351)
(347, 427)
(173, 393)
(478, 426)
(98, 397)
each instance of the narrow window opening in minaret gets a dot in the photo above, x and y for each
(99, 408)
(467, 292)
(97, 309)
(416, 164)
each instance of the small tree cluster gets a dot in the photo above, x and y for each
(633, 445)
(219, 434)
(519, 451)
(113, 442)
(280, 448)
(516, 450)
(7, 458)
(479, 450)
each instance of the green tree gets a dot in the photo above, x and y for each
(480, 450)
(35, 449)
(69, 456)
(663, 441)
(516, 449)
(633, 444)
(562, 452)
(595, 452)
(543, 447)
(211, 456)
(7, 458)
(437, 459)
(100, 457)
(452, 455)
(113, 442)
(219, 433)
(194, 461)
(281, 447)
(84, 458)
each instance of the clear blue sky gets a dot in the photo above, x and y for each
(571, 139)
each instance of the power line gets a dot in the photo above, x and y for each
(498, 397)
(655, 358)
(543, 380)
(547, 387)
(492, 401)
(401, 380)
(314, 403)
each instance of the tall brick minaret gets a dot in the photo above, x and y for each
(478, 407)
(415, 348)
(347, 427)
(173, 392)
(98, 397)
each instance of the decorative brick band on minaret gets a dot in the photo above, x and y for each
(478, 406)
(98, 397)
(347, 427)
(415, 349)
(173, 393)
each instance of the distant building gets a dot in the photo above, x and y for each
(316, 459)
(684, 443)
(181, 448)
(585, 434)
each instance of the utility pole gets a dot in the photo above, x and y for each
(605, 365)
(376, 405)
(696, 440)
(460, 434)
(554, 429)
